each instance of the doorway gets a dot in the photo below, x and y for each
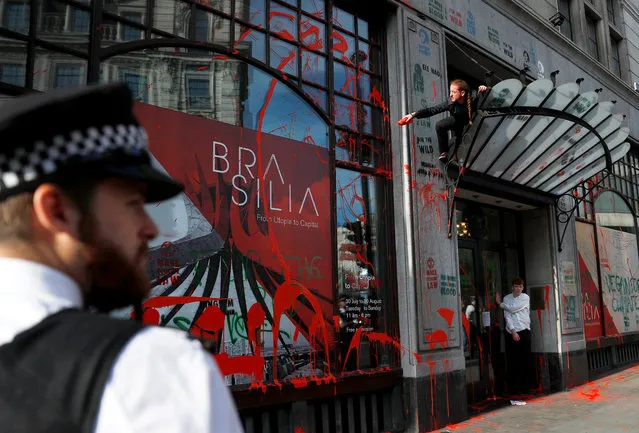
(490, 256)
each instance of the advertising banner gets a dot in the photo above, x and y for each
(244, 258)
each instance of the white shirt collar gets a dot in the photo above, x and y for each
(38, 283)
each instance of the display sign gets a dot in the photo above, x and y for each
(261, 203)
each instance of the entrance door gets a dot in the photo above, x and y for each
(489, 258)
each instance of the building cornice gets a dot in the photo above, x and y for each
(545, 32)
(631, 9)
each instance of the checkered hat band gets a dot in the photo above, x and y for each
(44, 158)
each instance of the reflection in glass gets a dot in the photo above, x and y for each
(283, 22)
(250, 43)
(492, 279)
(344, 47)
(218, 88)
(57, 70)
(312, 34)
(612, 211)
(17, 16)
(317, 96)
(359, 268)
(314, 68)
(344, 79)
(314, 7)
(345, 112)
(64, 24)
(250, 11)
(283, 56)
(13, 65)
(343, 19)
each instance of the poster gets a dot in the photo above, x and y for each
(437, 273)
(619, 266)
(589, 277)
(246, 262)
(570, 313)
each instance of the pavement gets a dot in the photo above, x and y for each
(610, 404)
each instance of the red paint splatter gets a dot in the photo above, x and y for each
(436, 337)
(447, 314)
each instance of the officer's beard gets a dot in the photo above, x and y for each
(115, 281)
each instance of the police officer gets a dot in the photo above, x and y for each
(75, 174)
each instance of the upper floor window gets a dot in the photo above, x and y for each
(615, 64)
(566, 26)
(68, 76)
(611, 11)
(17, 16)
(81, 20)
(12, 74)
(130, 33)
(591, 33)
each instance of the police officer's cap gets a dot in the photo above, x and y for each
(88, 131)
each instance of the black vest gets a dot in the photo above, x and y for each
(52, 376)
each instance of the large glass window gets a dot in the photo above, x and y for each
(272, 113)
(615, 64)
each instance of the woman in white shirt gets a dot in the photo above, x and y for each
(516, 308)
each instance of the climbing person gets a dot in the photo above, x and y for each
(461, 106)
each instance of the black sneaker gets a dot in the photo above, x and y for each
(443, 158)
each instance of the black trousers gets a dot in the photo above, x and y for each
(519, 363)
(442, 127)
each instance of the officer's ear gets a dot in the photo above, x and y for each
(54, 212)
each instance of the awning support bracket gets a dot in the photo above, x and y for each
(567, 204)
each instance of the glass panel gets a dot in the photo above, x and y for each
(175, 20)
(469, 302)
(360, 266)
(16, 16)
(492, 224)
(211, 28)
(314, 68)
(611, 211)
(318, 96)
(283, 22)
(492, 279)
(343, 19)
(250, 43)
(64, 24)
(362, 28)
(312, 34)
(510, 227)
(346, 148)
(314, 7)
(56, 70)
(512, 265)
(344, 47)
(13, 66)
(130, 33)
(251, 11)
(283, 56)
(344, 79)
(345, 112)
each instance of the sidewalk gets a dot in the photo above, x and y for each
(608, 405)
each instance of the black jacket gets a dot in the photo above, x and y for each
(458, 111)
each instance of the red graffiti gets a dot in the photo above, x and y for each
(437, 337)
(447, 314)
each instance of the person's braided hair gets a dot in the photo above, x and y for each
(462, 85)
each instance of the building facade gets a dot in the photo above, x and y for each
(317, 250)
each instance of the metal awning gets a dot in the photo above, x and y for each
(542, 136)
